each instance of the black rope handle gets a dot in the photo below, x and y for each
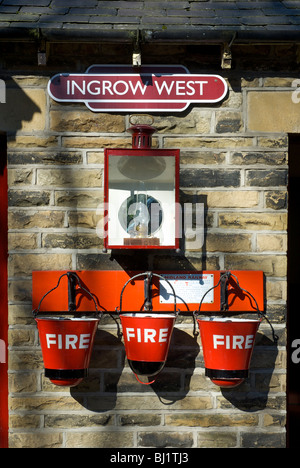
(68, 274)
(176, 312)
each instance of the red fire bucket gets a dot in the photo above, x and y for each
(227, 348)
(147, 339)
(66, 345)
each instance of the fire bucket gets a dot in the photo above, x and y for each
(66, 345)
(147, 335)
(147, 340)
(227, 348)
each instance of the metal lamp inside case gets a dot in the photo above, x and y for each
(141, 194)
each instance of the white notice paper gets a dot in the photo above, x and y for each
(189, 288)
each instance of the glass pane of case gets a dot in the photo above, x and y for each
(141, 200)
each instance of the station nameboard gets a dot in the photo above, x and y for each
(121, 88)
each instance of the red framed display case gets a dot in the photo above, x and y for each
(141, 195)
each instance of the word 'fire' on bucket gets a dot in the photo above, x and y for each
(228, 342)
(147, 334)
(147, 340)
(66, 345)
(227, 348)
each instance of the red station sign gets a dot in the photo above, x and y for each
(153, 88)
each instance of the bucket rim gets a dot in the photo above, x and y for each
(70, 319)
(146, 315)
(228, 320)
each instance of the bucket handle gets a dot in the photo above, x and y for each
(72, 279)
(144, 383)
(224, 277)
(149, 275)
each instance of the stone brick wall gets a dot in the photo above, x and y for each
(234, 160)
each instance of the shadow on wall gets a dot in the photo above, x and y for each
(23, 110)
(99, 390)
(252, 395)
(173, 383)
(101, 387)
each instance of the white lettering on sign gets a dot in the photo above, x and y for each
(68, 341)
(105, 88)
(147, 335)
(155, 88)
(189, 288)
(233, 341)
(121, 87)
(181, 87)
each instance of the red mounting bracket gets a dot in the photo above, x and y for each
(239, 291)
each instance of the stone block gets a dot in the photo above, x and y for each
(24, 264)
(195, 122)
(165, 439)
(228, 242)
(209, 178)
(31, 141)
(19, 421)
(271, 265)
(22, 241)
(276, 199)
(272, 242)
(260, 157)
(20, 177)
(206, 142)
(96, 142)
(266, 178)
(232, 198)
(272, 111)
(82, 121)
(71, 241)
(229, 122)
(28, 198)
(30, 440)
(78, 198)
(45, 157)
(213, 439)
(111, 439)
(27, 219)
(201, 157)
(254, 221)
(69, 177)
(211, 420)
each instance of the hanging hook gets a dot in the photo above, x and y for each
(73, 280)
(137, 55)
(224, 290)
(223, 281)
(149, 275)
(148, 291)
